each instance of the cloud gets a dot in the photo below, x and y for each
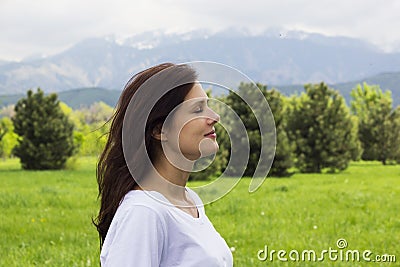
(46, 26)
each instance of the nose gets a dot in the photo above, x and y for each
(213, 117)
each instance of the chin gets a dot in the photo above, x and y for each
(209, 150)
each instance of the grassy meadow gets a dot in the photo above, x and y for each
(46, 216)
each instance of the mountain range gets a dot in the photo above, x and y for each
(286, 60)
(84, 97)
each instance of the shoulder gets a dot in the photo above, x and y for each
(140, 208)
(145, 201)
(137, 229)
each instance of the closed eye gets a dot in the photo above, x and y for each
(198, 110)
(200, 105)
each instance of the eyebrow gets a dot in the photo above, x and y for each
(203, 101)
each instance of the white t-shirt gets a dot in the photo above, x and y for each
(147, 232)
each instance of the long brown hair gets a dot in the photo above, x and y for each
(113, 175)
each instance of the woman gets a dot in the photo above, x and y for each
(148, 217)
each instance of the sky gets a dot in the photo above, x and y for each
(46, 27)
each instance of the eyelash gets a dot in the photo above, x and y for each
(199, 110)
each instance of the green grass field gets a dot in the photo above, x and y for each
(46, 216)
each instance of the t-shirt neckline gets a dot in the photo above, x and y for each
(166, 201)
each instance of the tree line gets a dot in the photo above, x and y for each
(40, 123)
(316, 131)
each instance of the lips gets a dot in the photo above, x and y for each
(209, 133)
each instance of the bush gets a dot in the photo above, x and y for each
(45, 133)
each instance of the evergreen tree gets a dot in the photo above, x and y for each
(283, 160)
(247, 116)
(377, 122)
(45, 133)
(321, 126)
(395, 138)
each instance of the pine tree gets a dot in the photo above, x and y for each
(45, 133)
(321, 126)
(377, 123)
(395, 137)
(246, 115)
(284, 156)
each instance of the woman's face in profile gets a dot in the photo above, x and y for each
(191, 126)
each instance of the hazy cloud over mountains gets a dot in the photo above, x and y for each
(48, 27)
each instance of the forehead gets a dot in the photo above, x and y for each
(196, 92)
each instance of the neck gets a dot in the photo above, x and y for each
(167, 179)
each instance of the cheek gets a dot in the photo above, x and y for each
(192, 131)
(189, 131)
